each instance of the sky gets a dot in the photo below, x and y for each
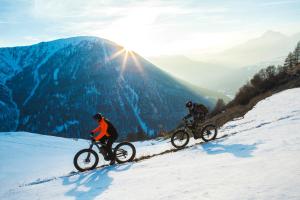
(151, 28)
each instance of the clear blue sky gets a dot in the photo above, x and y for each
(148, 27)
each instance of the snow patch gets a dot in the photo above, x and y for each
(106, 57)
(92, 90)
(37, 77)
(133, 100)
(55, 75)
(26, 119)
(66, 125)
(51, 49)
(2, 103)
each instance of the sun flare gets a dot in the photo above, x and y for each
(126, 54)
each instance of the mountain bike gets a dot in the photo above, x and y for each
(88, 159)
(181, 136)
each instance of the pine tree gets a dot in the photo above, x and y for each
(141, 135)
(131, 137)
(297, 53)
(219, 107)
(290, 61)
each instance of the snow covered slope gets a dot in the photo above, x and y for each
(258, 160)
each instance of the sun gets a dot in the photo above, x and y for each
(126, 54)
(128, 47)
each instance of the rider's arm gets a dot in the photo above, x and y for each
(100, 136)
(102, 129)
(188, 116)
(98, 129)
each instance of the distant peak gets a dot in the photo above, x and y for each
(271, 33)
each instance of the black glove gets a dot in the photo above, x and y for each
(91, 134)
(103, 141)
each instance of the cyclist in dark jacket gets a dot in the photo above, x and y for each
(106, 133)
(197, 114)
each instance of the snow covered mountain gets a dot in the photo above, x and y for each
(54, 88)
(259, 159)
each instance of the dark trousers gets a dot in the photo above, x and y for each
(108, 141)
(109, 144)
(198, 121)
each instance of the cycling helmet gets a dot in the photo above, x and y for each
(97, 116)
(189, 104)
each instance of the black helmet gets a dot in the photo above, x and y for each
(97, 116)
(189, 104)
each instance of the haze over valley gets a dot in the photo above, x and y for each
(228, 70)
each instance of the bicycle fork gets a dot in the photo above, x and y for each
(89, 154)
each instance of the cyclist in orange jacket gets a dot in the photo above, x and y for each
(105, 133)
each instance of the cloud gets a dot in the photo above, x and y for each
(278, 3)
(147, 26)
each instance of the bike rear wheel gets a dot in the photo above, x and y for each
(124, 152)
(209, 133)
(86, 159)
(180, 139)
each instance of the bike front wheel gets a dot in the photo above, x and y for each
(180, 139)
(124, 152)
(86, 159)
(209, 133)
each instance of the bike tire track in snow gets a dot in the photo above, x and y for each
(146, 157)
(39, 181)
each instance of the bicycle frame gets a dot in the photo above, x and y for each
(188, 128)
(99, 145)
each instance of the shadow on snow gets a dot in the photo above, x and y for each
(89, 185)
(238, 150)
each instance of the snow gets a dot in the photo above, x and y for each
(55, 75)
(258, 160)
(16, 108)
(65, 126)
(105, 53)
(133, 99)
(26, 119)
(2, 103)
(15, 60)
(92, 90)
(36, 76)
(52, 48)
(12, 63)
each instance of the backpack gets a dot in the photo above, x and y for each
(200, 108)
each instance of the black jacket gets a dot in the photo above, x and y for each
(111, 129)
(197, 115)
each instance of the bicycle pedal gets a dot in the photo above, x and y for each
(196, 137)
(106, 158)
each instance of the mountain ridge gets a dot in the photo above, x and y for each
(55, 87)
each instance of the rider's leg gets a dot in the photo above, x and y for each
(104, 150)
(109, 150)
(108, 147)
(196, 124)
(109, 144)
(113, 137)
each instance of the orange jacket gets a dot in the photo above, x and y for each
(101, 130)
